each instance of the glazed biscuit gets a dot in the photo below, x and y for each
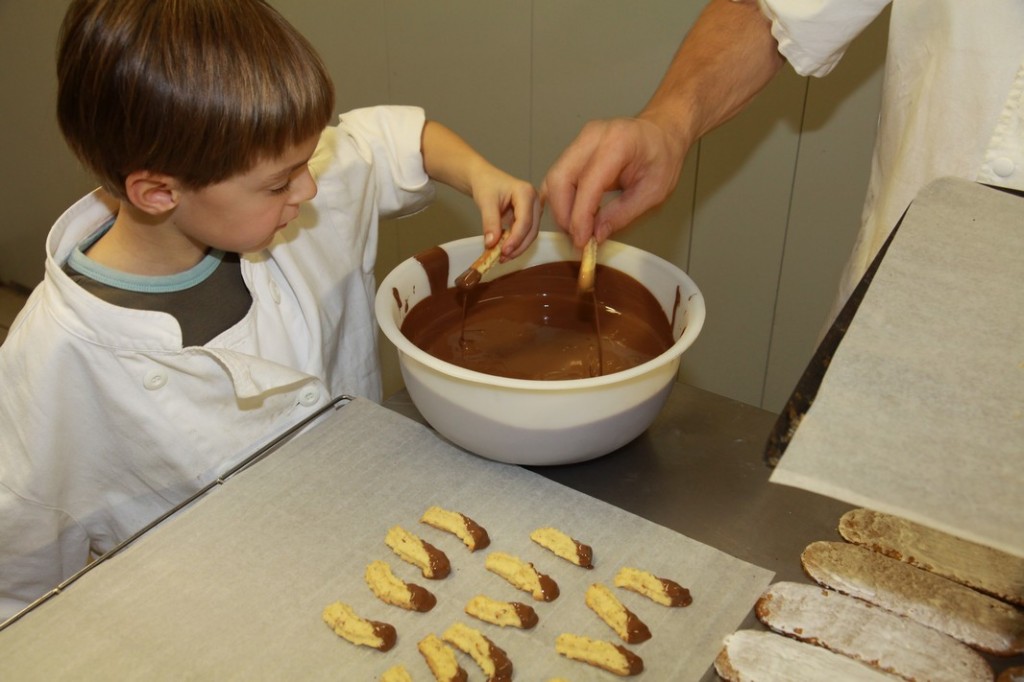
(756, 655)
(984, 568)
(975, 619)
(431, 561)
(360, 631)
(869, 634)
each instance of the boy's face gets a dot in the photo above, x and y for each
(243, 213)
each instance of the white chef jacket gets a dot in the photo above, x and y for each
(952, 98)
(106, 421)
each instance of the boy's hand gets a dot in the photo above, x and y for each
(506, 202)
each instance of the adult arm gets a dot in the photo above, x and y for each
(728, 56)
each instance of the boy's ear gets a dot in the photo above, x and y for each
(154, 193)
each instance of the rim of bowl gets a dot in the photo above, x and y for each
(695, 309)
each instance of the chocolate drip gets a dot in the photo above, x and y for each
(470, 280)
(634, 663)
(548, 587)
(420, 598)
(584, 555)
(502, 664)
(677, 594)
(440, 567)
(527, 616)
(435, 262)
(386, 633)
(480, 537)
(636, 630)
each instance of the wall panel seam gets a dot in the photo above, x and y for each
(785, 240)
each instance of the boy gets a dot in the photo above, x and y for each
(203, 301)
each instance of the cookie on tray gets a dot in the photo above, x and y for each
(441, 660)
(360, 631)
(562, 545)
(661, 590)
(522, 575)
(614, 658)
(472, 534)
(504, 613)
(491, 658)
(613, 612)
(432, 562)
(391, 589)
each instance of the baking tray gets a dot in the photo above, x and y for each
(233, 585)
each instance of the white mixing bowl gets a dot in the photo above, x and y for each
(529, 422)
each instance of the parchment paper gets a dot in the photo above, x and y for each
(234, 586)
(921, 412)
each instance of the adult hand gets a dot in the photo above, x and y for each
(635, 155)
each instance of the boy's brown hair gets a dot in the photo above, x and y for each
(198, 89)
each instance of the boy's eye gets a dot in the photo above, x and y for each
(282, 189)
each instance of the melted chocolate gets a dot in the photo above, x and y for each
(435, 262)
(534, 324)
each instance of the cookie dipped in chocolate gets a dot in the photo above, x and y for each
(534, 324)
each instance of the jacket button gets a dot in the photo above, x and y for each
(155, 379)
(309, 396)
(1003, 166)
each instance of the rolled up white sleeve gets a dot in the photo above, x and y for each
(390, 139)
(813, 34)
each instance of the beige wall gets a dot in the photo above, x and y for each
(763, 217)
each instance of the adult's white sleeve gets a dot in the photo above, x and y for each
(813, 34)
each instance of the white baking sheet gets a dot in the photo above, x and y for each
(921, 412)
(234, 586)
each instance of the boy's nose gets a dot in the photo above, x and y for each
(305, 187)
